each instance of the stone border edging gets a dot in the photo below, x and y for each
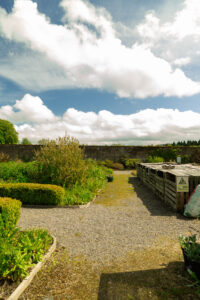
(25, 283)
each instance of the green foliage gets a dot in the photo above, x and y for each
(130, 163)
(36, 242)
(43, 142)
(108, 163)
(33, 193)
(20, 251)
(111, 165)
(187, 143)
(9, 213)
(108, 171)
(169, 154)
(95, 180)
(8, 134)
(190, 246)
(19, 172)
(196, 283)
(25, 141)
(185, 159)
(155, 159)
(61, 162)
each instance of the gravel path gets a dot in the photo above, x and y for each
(105, 231)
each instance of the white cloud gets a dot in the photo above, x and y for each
(182, 61)
(176, 41)
(88, 53)
(29, 109)
(34, 120)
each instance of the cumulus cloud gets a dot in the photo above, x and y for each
(28, 109)
(177, 40)
(34, 120)
(90, 55)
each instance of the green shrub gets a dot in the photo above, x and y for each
(108, 171)
(33, 193)
(9, 213)
(117, 166)
(61, 162)
(185, 159)
(130, 163)
(155, 159)
(95, 180)
(108, 163)
(169, 154)
(19, 171)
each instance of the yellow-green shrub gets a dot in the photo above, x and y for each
(61, 162)
(33, 193)
(9, 212)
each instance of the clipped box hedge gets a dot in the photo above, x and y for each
(34, 193)
(9, 212)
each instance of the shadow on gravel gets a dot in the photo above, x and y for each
(165, 283)
(154, 204)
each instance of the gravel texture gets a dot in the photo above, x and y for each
(104, 231)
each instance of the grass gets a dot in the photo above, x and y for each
(113, 196)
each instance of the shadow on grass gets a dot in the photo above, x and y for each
(154, 204)
(165, 283)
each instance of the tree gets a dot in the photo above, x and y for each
(8, 134)
(25, 141)
(43, 142)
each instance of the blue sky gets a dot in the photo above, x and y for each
(103, 71)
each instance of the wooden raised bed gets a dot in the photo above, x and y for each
(167, 183)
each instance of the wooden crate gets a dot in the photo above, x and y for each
(160, 184)
(164, 182)
(170, 195)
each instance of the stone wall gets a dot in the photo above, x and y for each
(114, 153)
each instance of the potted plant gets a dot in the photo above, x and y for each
(191, 253)
(109, 174)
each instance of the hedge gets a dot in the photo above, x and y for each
(9, 212)
(34, 193)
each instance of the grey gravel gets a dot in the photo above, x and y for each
(103, 233)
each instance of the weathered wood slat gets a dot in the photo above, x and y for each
(169, 182)
(169, 192)
(170, 203)
(169, 189)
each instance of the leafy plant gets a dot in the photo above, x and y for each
(95, 180)
(19, 171)
(20, 251)
(34, 242)
(169, 154)
(196, 283)
(155, 159)
(190, 246)
(61, 162)
(185, 159)
(130, 163)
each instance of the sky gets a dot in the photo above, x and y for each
(105, 72)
